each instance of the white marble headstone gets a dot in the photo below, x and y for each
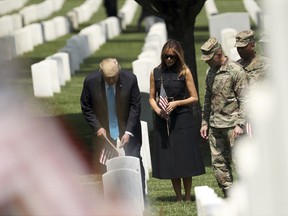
(65, 63)
(123, 192)
(238, 20)
(126, 162)
(42, 79)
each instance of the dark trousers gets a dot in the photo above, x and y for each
(111, 7)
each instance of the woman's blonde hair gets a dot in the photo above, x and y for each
(179, 65)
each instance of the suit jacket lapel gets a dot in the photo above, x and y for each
(119, 110)
(102, 96)
(118, 90)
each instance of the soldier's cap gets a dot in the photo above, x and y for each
(109, 67)
(243, 38)
(209, 48)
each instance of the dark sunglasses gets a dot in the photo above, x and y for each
(170, 56)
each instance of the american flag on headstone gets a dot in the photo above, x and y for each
(108, 151)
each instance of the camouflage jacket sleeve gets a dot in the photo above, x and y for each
(240, 89)
(207, 101)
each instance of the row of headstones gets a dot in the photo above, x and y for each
(25, 39)
(225, 26)
(251, 7)
(254, 11)
(10, 23)
(83, 13)
(7, 6)
(127, 12)
(148, 59)
(57, 69)
(15, 21)
(77, 48)
(35, 12)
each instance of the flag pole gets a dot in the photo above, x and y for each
(106, 138)
(167, 125)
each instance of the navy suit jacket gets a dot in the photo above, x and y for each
(128, 104)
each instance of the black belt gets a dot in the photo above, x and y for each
(175, 98)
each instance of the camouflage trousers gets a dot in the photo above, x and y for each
(221, 144)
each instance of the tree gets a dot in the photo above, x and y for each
(179, 17)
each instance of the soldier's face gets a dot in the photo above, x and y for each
(247, 51)
(214, 61)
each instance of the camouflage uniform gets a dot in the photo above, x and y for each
(223, 109)
(256, 68)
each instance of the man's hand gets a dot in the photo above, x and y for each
(204, 131)
(237, 131)
(124, 140)
(102, 133)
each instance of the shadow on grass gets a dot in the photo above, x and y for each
(171, 199)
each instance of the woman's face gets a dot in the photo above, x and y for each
(170, 58)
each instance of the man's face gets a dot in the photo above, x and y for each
(111, 80)
(245, 52)
(214, 61)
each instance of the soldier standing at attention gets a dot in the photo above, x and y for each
(223, 110)
(255, 65)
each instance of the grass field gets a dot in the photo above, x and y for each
(126, 48)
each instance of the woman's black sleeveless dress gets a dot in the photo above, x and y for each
(178, 154)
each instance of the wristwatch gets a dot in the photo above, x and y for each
(241, 126)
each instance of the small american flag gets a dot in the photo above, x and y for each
(163, 103)
(249, 130)
(108, 151)
(163, 100)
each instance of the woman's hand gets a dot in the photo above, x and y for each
(160, 112)
(171, 106)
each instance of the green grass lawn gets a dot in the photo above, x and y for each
(126, 48)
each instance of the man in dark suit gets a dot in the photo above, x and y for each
(95, 108)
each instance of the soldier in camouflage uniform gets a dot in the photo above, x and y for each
(255, 65)
(223, 111)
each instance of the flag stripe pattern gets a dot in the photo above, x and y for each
(106, 154)
(163, 99)
(249, 130)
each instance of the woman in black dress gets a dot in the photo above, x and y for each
(175, 153)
